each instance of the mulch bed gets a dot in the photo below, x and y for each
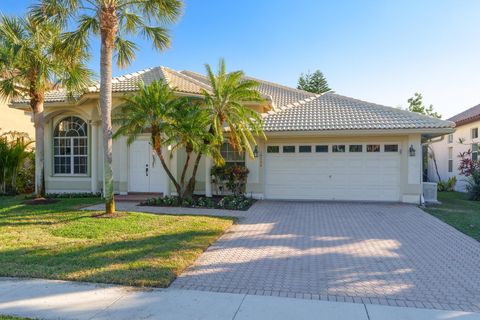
(109, 215)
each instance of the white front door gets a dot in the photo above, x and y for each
(146, 173)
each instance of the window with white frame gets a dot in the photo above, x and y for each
(231, 156)
(474, 133)
(70, 147)
(390, 148)
(305, 149)
(273, 149)
(355, 148)
(475, 152)
(450, 159)
(373, 148)
(450, 138)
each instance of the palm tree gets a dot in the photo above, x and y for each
(227, 109)
(14, 149)
(32, 61)
(113, 21)
(228, 114)
(172, 121)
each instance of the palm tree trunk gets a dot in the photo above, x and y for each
(108, 26)
(432, 153)
(188, 150)
(158, 151)
(37, 107)
(193, 179)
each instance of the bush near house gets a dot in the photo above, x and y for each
(230, 179)
(471, 170)
(447, 186)
(229, 202)
(17, 163)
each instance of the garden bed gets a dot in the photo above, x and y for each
(229, 202)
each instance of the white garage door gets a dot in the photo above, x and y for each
(333, 172)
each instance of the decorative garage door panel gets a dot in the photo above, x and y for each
(333, 176)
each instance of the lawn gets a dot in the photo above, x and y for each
(57, 241)
(11, 318)
(459, 212)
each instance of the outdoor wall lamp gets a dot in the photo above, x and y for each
(411, 151)
(255, 152)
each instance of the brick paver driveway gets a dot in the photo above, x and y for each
(370, 253)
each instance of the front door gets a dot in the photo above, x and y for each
(146, 173)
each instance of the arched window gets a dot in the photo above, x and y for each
(70, 146)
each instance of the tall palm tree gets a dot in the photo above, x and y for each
(228, 110)
(32, 61)
(172, 121)
(113, 21)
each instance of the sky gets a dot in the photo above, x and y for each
(382, 51)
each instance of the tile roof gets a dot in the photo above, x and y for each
(293, 109)
(331, 111)
(467, 116)
(278, 94)
(129, 83)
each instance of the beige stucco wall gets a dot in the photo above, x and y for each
(411, 185)
(15, 120)
(440, 149)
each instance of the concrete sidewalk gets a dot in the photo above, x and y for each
(49, 299)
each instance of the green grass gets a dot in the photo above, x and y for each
(11, 318)
(57, 241)
(459, 212)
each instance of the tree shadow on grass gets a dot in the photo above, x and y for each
(152, 261)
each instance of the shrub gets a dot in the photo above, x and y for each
(233, 178)
(204, 202)
(473, 185)
(26, 175)
(230, 202)
(448, 185)
(74, 195)
(233, 202)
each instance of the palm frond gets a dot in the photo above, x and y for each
(125, 52)
(158, 35)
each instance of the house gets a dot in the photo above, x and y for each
(448, 147)
(319, 147)
(15, 120)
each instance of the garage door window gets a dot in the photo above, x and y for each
(321, 148)
(390, 148)
(273, 149)
(288, 149)
(355, 148)
(305, 149)
(338, 148)
(373, 148)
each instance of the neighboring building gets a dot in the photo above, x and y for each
(447, 150)
(319, 147)
(12, 119)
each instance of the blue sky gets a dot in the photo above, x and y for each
(380, 51)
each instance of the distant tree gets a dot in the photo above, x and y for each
(313, 82)
(415, 104)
